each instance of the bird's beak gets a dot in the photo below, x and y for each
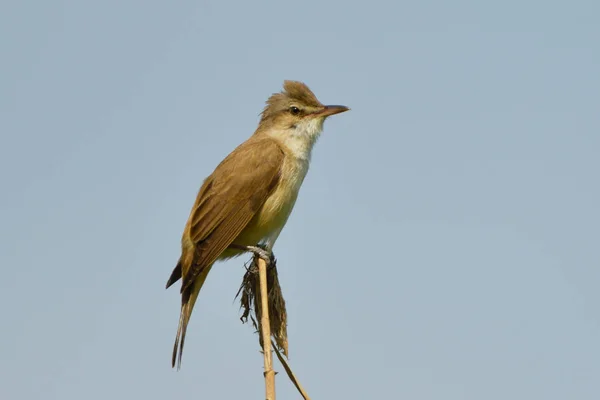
(331, 110)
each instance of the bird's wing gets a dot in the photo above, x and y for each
(228, 200)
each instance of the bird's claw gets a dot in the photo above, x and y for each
(261, 252)
(264, 254)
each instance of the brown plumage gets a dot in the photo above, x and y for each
(249, 196)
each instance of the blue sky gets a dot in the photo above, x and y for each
(444, 244)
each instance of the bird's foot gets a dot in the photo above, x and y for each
(261, 252)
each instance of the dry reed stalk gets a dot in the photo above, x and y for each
(262, 301)
(265, 329)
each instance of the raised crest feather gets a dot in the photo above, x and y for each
(293, 91)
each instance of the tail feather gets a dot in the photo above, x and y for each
(188, 299)
(175, 275)
(184, 318)
(176, 346)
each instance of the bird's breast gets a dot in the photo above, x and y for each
(277, 208)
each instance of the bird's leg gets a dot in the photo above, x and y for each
(259, 251)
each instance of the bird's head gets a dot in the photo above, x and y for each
(296, 112)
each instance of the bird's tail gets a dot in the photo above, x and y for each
(188, 299)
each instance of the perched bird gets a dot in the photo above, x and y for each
(248, 198)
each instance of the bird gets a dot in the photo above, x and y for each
(245, 202)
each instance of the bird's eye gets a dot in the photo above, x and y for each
(294, 110)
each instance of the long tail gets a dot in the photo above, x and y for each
(188, 299)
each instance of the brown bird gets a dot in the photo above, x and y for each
(248, 198)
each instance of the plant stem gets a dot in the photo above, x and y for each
(265, 330)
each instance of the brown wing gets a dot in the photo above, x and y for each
(228, 200)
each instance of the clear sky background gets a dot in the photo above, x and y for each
(444, 244)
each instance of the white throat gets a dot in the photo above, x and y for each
(301, 139)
